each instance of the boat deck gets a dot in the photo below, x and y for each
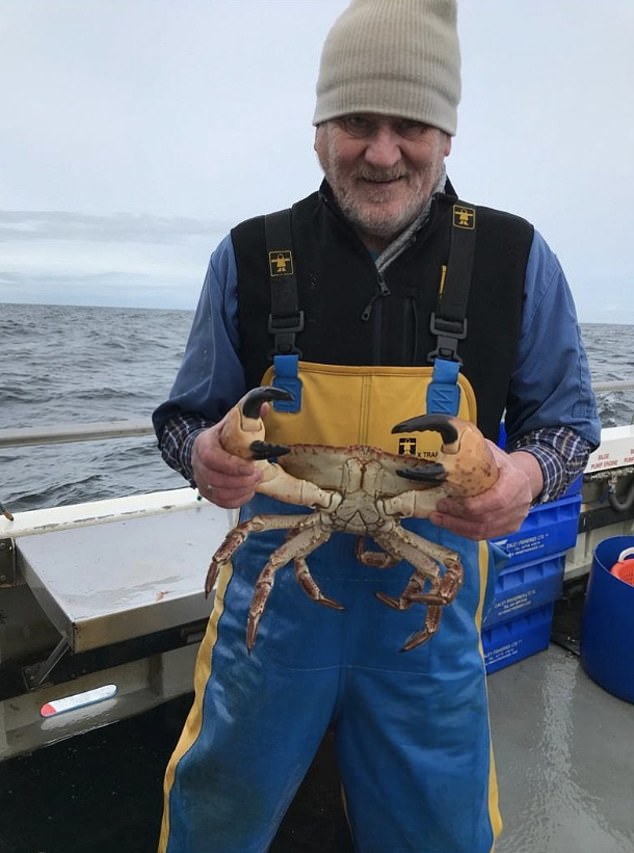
(565, 757)
(564, 754)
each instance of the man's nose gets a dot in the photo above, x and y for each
(383, 148)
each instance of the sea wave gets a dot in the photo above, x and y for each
(67, 364)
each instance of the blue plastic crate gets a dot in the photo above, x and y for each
(575, 487)
(512, 641)
(525, 587)
(548, 529)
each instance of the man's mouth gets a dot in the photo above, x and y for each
(381, 182)
(389, 178)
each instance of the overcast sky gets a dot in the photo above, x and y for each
(135, 133)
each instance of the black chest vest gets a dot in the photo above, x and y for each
(352, 318)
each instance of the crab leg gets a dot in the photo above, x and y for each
(443, 589)
(415, 504)
(238, 535)
(308, 584)
(432, 623)
(376, 559)
(409, 546)
(306, 537)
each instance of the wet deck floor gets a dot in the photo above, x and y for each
(565, 757)
(564, 752)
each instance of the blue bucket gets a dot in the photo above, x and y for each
(607, 630)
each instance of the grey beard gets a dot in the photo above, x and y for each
(402, 240)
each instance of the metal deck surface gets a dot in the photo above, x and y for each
(100, 584)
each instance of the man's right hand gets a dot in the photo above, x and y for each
(225, 480)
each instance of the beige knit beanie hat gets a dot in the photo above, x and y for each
(393, 57)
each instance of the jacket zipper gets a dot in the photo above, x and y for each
(383, 290)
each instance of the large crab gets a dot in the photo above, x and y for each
(360, 490)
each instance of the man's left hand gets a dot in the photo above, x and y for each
(502, 508)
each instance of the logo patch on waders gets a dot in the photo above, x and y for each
(281, 263)
(464, 217)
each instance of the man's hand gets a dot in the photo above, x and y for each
(502, 508)
(222, 478)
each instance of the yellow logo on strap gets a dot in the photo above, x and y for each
(464, 217)
(281, 262)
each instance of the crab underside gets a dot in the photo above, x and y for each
(362, 491)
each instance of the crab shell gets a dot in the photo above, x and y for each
(469, 467)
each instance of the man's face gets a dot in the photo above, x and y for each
(382, 170)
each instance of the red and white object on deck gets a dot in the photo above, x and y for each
(78, 700)
(623, 569)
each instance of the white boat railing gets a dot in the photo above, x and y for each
(70, 433)
(615, 385)
(63, 433)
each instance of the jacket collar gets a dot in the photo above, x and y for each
(443, 190)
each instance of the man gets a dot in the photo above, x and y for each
(387, 284)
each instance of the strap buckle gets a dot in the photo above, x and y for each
(284, 329)
(448, 333)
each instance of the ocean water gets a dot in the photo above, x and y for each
(64, 365)
(70, 365)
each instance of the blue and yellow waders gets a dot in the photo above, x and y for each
(411, 728)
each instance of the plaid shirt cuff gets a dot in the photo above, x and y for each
(562, 455)
(177, 440)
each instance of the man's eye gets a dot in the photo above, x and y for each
(356, 125)
(364, 126)
(410, 129)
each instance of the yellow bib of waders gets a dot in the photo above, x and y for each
(342, 405)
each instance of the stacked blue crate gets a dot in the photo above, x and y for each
(519, 622)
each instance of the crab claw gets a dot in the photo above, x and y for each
(242, 432)
(252, 401)
(430, 423)
(433, 472)
(266, 450)
(465, 457)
